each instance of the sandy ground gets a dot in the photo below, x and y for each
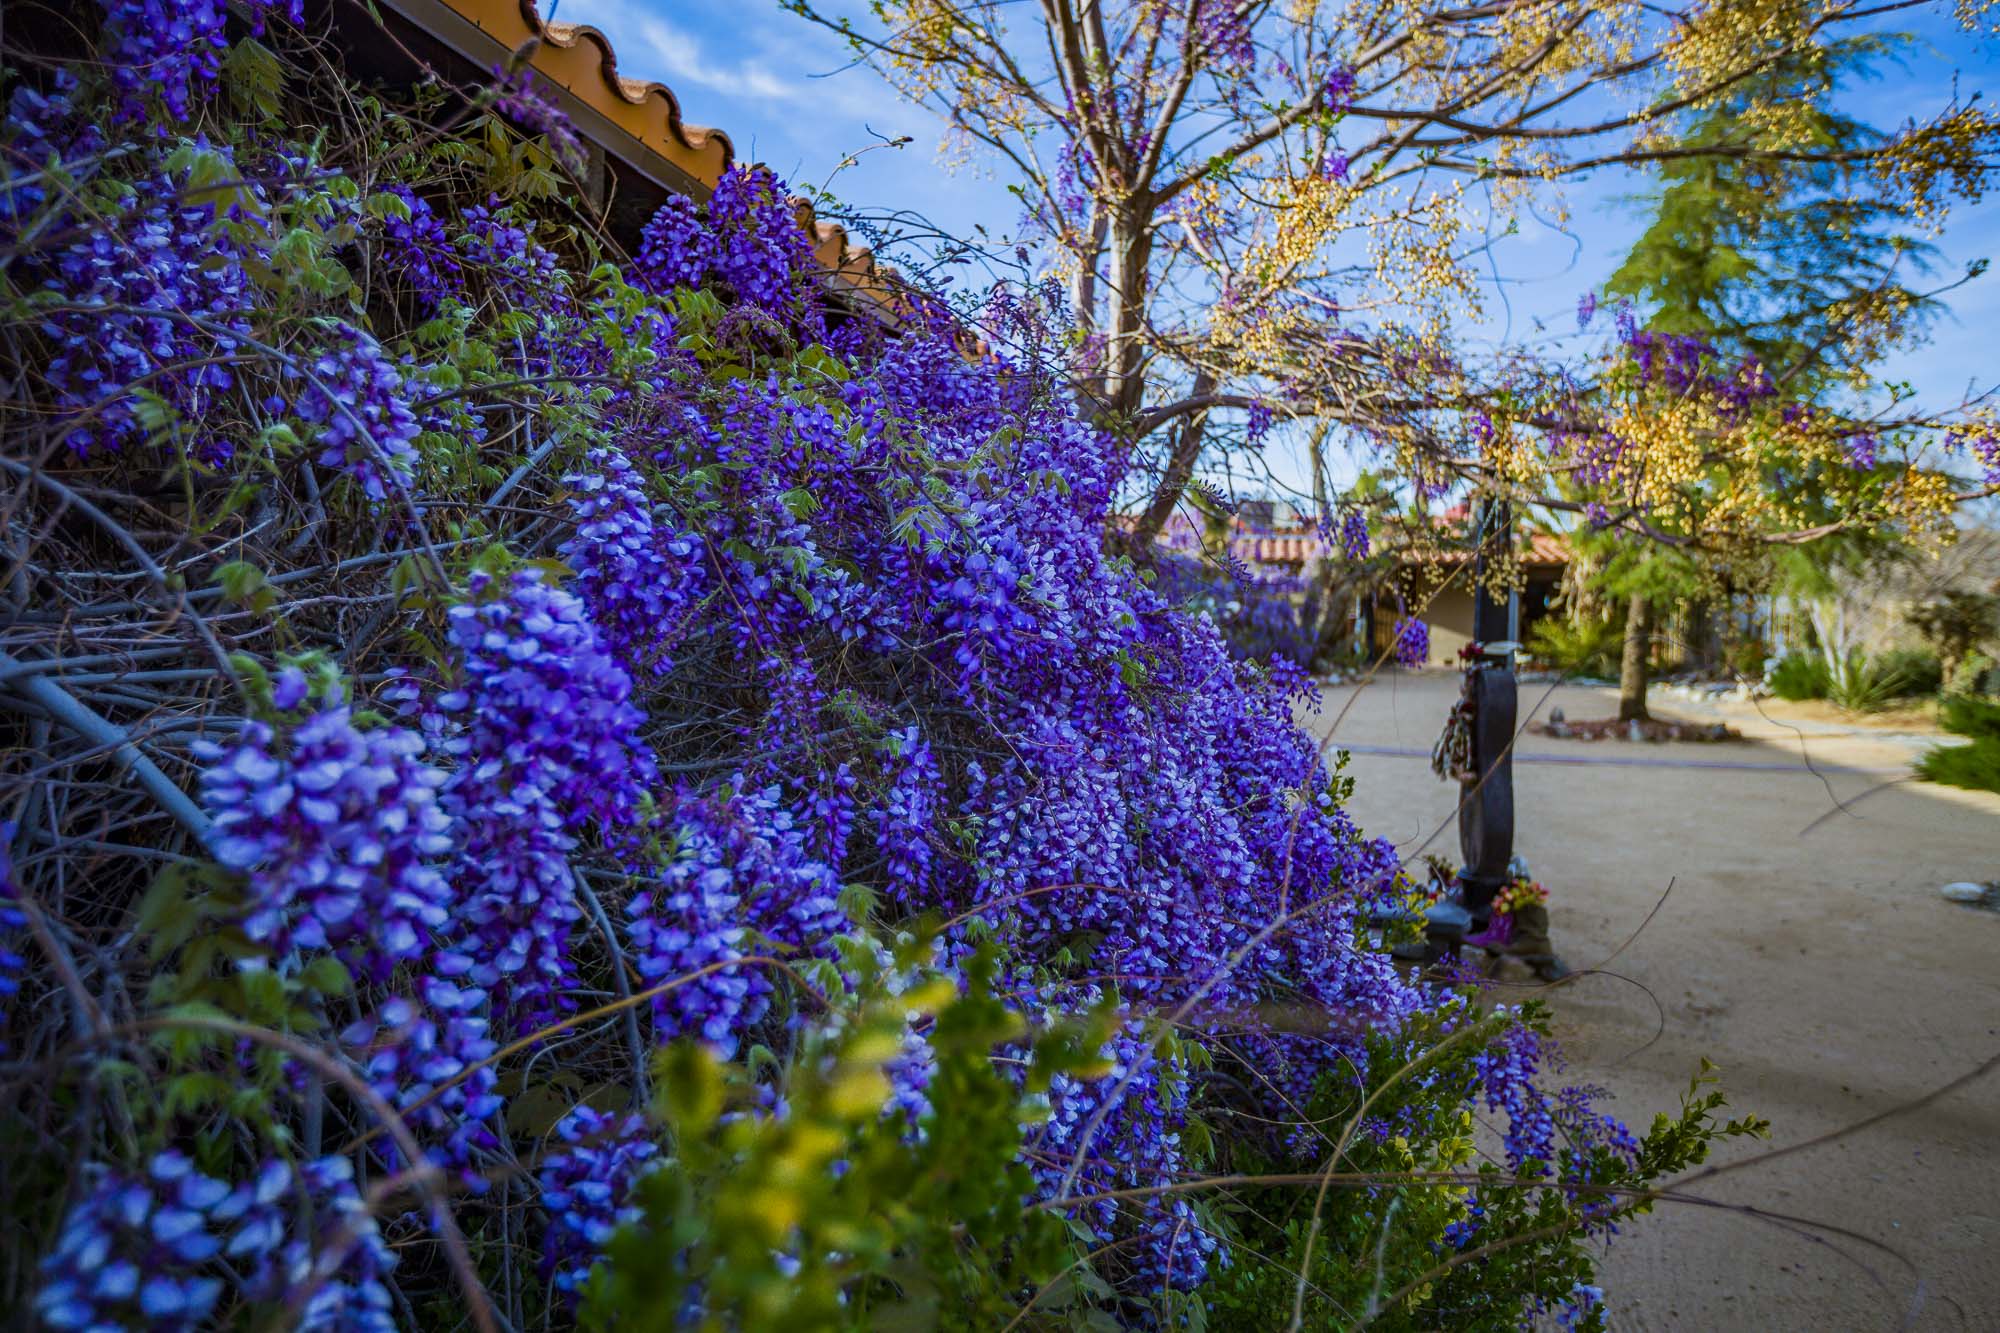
(1803, 948)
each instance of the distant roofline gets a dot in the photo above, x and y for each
(636, 123)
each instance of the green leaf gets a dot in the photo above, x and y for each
(689, 1079)
(253, 77)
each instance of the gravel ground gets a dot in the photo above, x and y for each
(1803, 948)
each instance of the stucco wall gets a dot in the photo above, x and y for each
(1450, 618)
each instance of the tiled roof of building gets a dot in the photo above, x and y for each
(636, 120)
(1296, 543)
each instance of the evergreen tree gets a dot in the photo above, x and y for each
(1789, 260)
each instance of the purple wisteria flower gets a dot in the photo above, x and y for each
(1863, 451)
(132, 1249)
(331, 1277)
(547, 747)
(908, 813)
(1222, 30)
(151, 1250)
(674, 247)
(338, 831)
(12, 919)
(1354, 534)
(748, 238)
(740, 865)
(423, 1056)
(1257, 423)
(1507, 1071)
(163, 290)
(519, 96)
(1339, 89)
(1586, 310)
(1413, 642)
(355, 395)
(636, 570)
(586, 1189)
(419, 247)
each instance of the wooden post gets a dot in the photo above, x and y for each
(1486, 809)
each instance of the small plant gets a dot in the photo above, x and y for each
(1590, 648)
(1975, 766)
(1859, 683)
(1912, 671)
(1969, 715)
(1799, 676)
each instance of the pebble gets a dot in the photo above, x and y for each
(1965, 891)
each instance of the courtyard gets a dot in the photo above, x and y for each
(1799, 945)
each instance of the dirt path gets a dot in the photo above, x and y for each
(1802, 948)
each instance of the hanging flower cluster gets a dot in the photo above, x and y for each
(1413, 642)
(338, 833)
(547, 745)
(586, 1185)
(153, 1250)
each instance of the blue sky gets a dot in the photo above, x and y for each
(786, 93)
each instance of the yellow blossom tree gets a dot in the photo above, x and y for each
(1267, 208)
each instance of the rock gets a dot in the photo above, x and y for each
(1447, 918)
(1965, 891)
(1556, 718)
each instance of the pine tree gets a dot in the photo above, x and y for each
(1791, 260)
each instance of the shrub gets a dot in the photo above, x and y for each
(1589, 648)
(1799, 676)
(1862, 684)
(1970, 715)
(1910, 671)
(1975, 765)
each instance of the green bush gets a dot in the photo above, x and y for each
(1589, 649)
(1865, 685)
(1422, 1255)
(1800, 676)
(1969, 715)
(1975, 766)
(1911, 670)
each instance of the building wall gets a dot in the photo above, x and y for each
(1450, 617)
(1449, 614)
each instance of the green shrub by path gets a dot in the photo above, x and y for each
(1970, 715)
(1799, 676)
(1588, 649)
(1975, 766)
(1864, 683)
(1911, 671)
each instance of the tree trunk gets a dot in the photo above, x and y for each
(1131, 262)
(1632, 669)
(1181, 460)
